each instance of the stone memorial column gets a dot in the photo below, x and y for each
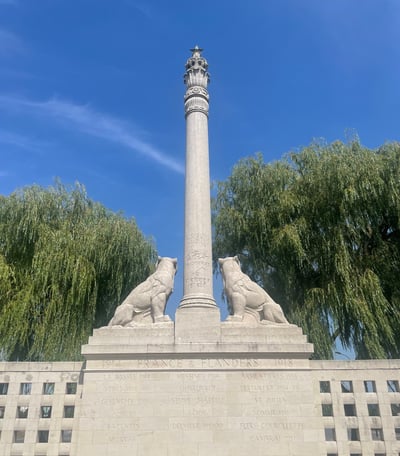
(197, 317)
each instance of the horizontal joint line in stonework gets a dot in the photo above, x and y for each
(199, 369)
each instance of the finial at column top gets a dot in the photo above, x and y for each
(196, 51)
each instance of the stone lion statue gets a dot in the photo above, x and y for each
(247, 297)
(146, 303)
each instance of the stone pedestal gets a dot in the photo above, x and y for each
(197, 324)
(265, 341)
(147, 394)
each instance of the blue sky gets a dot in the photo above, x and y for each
(92, 91)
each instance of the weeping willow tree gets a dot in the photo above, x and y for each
(65, 264)
(320, 231)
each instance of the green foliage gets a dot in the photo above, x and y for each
(66, 262)
(320, 231)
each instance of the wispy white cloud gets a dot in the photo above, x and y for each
(9, 43)
(91, 122)
(21, 141)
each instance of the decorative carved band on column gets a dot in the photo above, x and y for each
(192, 91)
(193, 104)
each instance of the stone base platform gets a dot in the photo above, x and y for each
(144, 394)
(266, 341)
(228, 390)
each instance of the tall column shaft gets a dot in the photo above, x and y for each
(198, 243)
(197, 318)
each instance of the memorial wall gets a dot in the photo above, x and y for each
(200, 405)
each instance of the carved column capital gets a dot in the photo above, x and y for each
(196, 79)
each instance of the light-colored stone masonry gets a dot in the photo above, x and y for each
(135, 398)
(36, 399)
